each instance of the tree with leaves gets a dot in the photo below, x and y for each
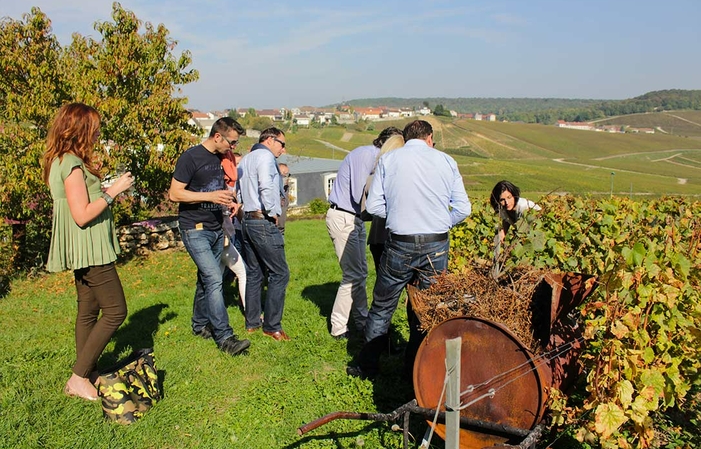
(441, 111)
(130, 75)
(234, 114)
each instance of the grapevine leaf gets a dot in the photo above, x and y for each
(681, 264)
(625, 393)
(608, 418)
(638, 254)
(538, 242)
(653, 378)
(619, 330)
(639, 410)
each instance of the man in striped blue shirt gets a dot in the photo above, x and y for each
(420, 192)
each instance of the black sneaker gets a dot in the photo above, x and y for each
(234, 346)
(205, 332)
(344, 336)
(394, 348)
(356, 371)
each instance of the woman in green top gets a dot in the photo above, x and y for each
(83, 238)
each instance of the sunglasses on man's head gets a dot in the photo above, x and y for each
(279, 141)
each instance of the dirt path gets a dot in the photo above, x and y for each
(332, 146)
(667, 158)
(643, 152)
(621, 170)
(685, 120)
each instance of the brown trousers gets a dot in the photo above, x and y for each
(99, 289)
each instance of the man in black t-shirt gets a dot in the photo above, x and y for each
(198, 186)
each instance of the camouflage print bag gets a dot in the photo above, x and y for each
(130, 388)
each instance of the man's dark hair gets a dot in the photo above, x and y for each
(418, 129)
(501, 187)
(386, 134)
(226, 124)
(270, 132)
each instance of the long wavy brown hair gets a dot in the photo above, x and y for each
(74, 130)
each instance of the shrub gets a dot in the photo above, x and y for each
(318, 206)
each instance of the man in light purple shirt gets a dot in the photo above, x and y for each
(421, 193)
(347, 232)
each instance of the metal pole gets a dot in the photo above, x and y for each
(452, 396)
(612, 175)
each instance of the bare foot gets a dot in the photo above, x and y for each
(80, 387)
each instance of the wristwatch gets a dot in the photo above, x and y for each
(107, 198)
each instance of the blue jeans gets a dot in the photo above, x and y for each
(264, 247)
(205, 247)
(238, 243)
(400, 264)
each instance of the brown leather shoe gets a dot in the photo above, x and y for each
(252, 330)
(278, 335)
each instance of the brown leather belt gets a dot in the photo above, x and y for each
(419, 238)
(254, 215)
(257, 215)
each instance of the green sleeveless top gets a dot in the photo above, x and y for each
(73, 247)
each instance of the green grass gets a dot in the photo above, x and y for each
(210, 399)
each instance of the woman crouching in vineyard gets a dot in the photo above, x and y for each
(83, 237)
(507, 202)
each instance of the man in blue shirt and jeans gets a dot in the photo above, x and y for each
(420, 192)
(261, 191)
(347, 232)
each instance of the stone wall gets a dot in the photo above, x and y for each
(159, 234)
(151, 235)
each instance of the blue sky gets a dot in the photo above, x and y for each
(269, 54)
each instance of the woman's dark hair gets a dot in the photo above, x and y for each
(386, 134)
(500, 188)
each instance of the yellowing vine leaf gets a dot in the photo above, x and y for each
(625, 393)
(608, 418)
(619, 330)
(654, 379)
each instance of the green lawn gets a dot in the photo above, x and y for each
(211, 399)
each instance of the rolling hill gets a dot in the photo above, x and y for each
(678, 123)
(540, 159)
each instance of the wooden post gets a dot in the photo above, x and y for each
(452, 396)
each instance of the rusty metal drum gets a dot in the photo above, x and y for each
(500, 378)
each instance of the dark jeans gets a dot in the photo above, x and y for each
(205, 248)
(99, 289)
(400, 264)
(264, 247)
(238, 243)
(376, 250)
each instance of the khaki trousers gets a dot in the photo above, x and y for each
(347, 233)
